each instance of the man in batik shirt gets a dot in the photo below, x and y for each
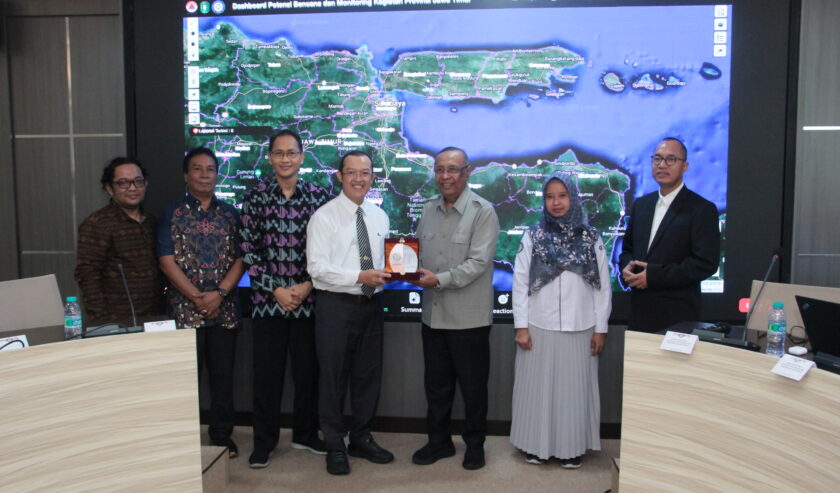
(120, 235)
(198, 246)
(274, 218)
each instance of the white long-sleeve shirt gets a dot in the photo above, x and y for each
(662, 206)
(332, 248)
(567, 303)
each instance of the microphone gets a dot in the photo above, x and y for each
(128, 293)
(776, 256)
(115, 327)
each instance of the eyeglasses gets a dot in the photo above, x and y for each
(282, 154)
(450, 171)
(656, 159)
(351, 173)
(124, 184)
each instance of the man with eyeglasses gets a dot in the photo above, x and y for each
(345, 254)
(458, 233)
(671, 244)
(119, 234)
(275, 214)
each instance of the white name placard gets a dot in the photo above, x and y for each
(678, 342)
(14, 342)
(161, 326)
(792, 367)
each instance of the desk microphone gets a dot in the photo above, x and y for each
(128, 293)
(115, 327)
(776, 256)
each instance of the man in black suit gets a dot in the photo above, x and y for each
(672, 243)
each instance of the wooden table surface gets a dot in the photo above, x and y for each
(115, 413)
(719, 420)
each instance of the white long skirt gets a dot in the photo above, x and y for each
(556, 404)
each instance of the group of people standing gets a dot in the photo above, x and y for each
(317, 268)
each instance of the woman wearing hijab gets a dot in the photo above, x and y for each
(561, 305)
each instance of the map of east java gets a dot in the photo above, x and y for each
(338, 101)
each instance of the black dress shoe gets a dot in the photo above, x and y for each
(371, 451)
(337, 462)
(474, 457)
(432, 452)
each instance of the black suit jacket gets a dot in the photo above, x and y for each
(685, 251)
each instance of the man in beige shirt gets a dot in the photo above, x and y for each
(458, 234)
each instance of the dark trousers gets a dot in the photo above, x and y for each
(273, 340)
(348, 338)
(462, 356)
(217, 346)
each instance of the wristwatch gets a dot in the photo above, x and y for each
(437, 286)
(223, 293)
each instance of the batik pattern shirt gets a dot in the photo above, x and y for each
(109, 236)
(273, 238)
(205, 245)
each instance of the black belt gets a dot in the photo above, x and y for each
(358, 299)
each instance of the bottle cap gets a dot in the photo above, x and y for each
(71, 299)
(778, 304)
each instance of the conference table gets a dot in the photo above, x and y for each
(103, 414)
(719, 420)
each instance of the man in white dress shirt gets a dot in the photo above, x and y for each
(345, 251)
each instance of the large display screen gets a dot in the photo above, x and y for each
(527, 91)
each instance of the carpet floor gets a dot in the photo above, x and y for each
(506, 471)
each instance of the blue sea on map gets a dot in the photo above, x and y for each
(619, 129)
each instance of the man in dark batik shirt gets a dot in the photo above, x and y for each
(198, 245)
(274, 218)
(119, 232)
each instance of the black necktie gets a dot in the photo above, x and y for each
(364, 249)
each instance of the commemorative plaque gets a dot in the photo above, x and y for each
(402, 258)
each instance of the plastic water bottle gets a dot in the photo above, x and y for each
(776, 330)
(72, 318)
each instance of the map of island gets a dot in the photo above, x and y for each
(339, 102)
(656, 82)
(612, 82)
(524, 98)
(458, 75)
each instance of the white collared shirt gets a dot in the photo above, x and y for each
(662, 206)
(565, 304)
(332, 250)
